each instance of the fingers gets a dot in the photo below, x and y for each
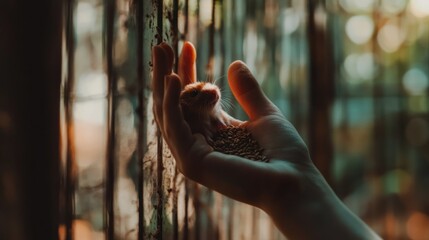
(248, 93)
(163, 59)
(175, 128)
(187, 65)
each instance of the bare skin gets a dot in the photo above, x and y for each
(289, 188)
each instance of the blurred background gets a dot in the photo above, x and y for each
(351, 75)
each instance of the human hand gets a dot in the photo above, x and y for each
(289, 187)
(242, 179)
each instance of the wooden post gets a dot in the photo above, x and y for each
(142, 114)
(70, 166)
(321, 92)
(111, 165)
(30, 63)
(160, 149)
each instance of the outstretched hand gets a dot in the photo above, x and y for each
(242, 179)
(289, 187)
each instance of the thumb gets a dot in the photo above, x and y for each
(248, 93)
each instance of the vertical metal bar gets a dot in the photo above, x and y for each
(379, 132)
(195, 187)
(321, 93)
(186, 224)
(222, 81)
(70, 171)
(176, 37)
(197, 207)
(141, 142)
(108, 38)
(175, 28)
(210, 62)
(160, 165)
(186, 28)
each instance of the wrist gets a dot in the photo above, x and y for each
(313, 211)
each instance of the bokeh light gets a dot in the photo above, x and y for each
(415, 81)
(357, 5)
(419, 8)
(85, 18)
(206, 12)
(360, 29)
(393, 6)
(366, 66)
(418, 226)
(390, 37)
(290, 20)
(360, 66)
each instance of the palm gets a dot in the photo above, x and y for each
(279, 138)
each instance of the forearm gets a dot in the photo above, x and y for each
(317, 213)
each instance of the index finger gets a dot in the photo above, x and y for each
(187, 65)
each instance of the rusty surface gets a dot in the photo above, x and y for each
(108, 38)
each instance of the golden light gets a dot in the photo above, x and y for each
(360, 29)
(390, 37)
(419, 8)
(206, 12)
(82, 230)
(418, 226)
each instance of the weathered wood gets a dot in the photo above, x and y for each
(142, 114)
(111, 165)
(160, 148)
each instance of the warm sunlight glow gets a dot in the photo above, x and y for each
(390, 38)
(82, 230)
(206, 12)
(418, 226)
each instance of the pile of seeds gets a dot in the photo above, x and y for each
(238, 141)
